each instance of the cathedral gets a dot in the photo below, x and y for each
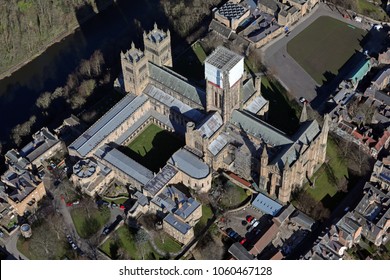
(224, 125)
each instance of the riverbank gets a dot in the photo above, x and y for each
(58, 38)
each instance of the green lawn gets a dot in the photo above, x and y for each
(153, 147)
(326, 176)
(89, 223)
(199, 52)
(167, 243)
(207, 214)
(325, 46)
(233, 195)
(43, 244)
(125, 240)
(283, 112)
(366, 8)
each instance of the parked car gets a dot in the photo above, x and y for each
(76, 202)
(249, 219)
(122, 207)
(1, 233)
(114, 205)
(243, 241)
(303, 100)
(255, 224)
(69, 204)
(74, 246)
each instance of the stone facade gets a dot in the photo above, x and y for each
(158, 47)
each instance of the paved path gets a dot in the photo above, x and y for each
(10, 245)
(284, 67)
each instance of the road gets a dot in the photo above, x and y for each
(283, 66)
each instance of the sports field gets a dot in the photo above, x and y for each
(153, 147)
(325, 46)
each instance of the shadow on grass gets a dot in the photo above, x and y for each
(164, 144)
(282, 113)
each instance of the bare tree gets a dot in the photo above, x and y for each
(44, 100)
(141, 238)
(22, 130)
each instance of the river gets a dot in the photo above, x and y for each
(110, 31)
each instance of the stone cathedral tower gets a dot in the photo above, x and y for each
(224, 71)
(135, 70)
(158, 46)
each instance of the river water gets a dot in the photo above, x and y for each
(109, 31)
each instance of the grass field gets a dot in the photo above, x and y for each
(335, 169)
(166, 243)
(233, 195)
(125, 240)
(87, 225)
(153, 147)
(324, 47)
(283, 112)
(207, 214)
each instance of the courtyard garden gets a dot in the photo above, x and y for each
(125, 244)
(153, 147)
(88, 219)
(325, 46)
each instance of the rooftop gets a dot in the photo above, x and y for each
(187, 208)
(190, 164)
(177, 224)
(156, 35)
(177, 83)
(107, 124)
(266, 205)
(258, 128)
(239, 252)
(231, 10)
(210, 125)
(173, 103)
(161, 179)
(124, 163)
(223, 58)
(133, 54)
(256, 104)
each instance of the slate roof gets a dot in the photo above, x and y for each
(173, 103)
(248, 89)
(107, 124)
(189, 164)
(266, 204)
(258, 128)
(210, 125)
(239, 252)
(307, 132)
(124, 163)
(177, 83)
(256, 104)
(161, 179)
(302, 220)
(188, 207)
(218, 143)
(220, 29)
(177, 224)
